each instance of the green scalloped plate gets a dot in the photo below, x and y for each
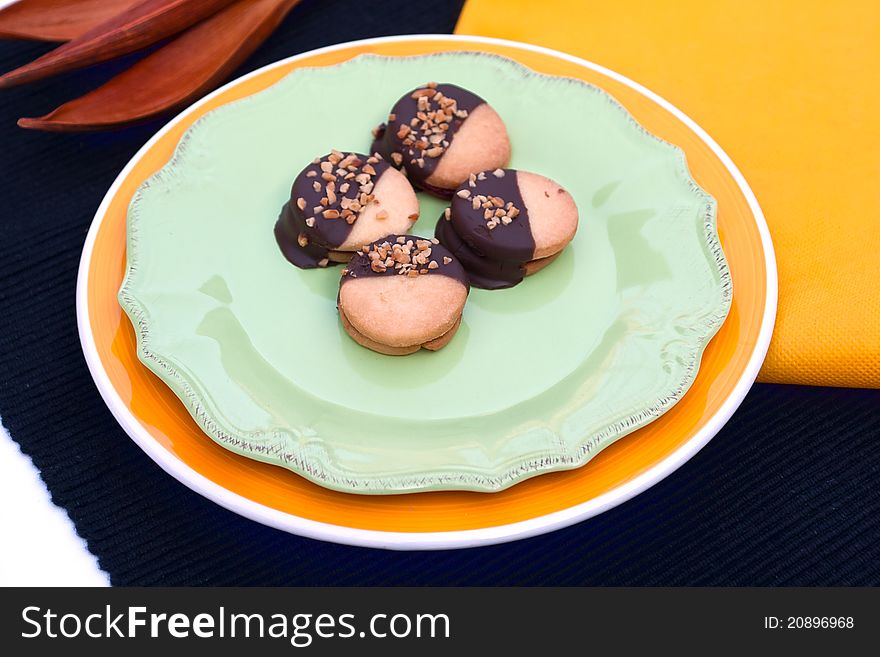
(539, 378)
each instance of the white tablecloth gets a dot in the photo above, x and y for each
(39, 546)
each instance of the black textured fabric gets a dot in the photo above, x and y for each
(787, 493)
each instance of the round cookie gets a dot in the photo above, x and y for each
(340, 202)
(401, 294)
(505, 224)
(439, 133)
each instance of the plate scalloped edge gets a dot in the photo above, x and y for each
(440, 539)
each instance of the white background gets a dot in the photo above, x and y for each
(39, 546)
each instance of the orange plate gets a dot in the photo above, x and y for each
(146, 407)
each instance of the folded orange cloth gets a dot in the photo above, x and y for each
(788, 89)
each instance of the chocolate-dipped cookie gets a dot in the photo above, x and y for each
(438, 134)
(505, 224)
(340, 202)
(401, 294)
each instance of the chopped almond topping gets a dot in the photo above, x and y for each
(496, 211)
(333, 204)
(432, 121)
(402, 256)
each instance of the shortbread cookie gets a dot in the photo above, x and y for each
(506, 224)
(438, 134)
(340, 202)
(401, 294)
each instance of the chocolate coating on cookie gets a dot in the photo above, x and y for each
(404, 255)
(439, 133)
(487, 227)
(490, 216)
(338, 202)
(482, 272)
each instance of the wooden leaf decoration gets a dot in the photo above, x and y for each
(185, 68)
(135, 28)
(57, 20)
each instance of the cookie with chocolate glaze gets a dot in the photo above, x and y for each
(340, 202)
(439, 133)
(401, 294)
(506, 224)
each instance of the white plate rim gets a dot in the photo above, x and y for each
(442, 539)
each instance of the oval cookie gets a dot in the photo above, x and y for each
(506, 224)
(401, 294)
(339, 202)
(439, 133)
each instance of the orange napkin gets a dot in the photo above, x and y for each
(789, 89)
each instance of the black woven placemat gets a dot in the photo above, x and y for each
(787, 493)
